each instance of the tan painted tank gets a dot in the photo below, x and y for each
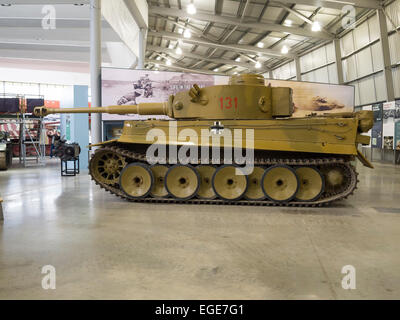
(283, 160)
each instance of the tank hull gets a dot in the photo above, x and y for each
(315, 135)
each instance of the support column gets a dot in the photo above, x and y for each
(271, 74)
(298, 69)
(142, 48)
(387, 65)
(338, 60)
(95, 67)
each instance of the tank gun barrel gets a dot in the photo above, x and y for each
(141, 108)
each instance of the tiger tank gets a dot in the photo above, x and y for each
(289, 161)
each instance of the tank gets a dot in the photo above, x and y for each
(5, 151)
(230, 144)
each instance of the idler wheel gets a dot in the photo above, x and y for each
(136, 180)
(182, 181)
(106, 166)
(206, 190)
(311, 184)
(280, 183)
(159, 172)
(254, 190)
(227, 184)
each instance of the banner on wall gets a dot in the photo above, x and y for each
(389, 109)
(128, 87)
(311, 97)
(376, 133)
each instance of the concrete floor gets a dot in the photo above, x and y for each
(106, 248)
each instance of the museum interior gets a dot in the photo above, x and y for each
(200, 149)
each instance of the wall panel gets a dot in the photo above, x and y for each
(332, 73)
(364, 62)
(346, 43)
(367, 90)
(377, 59)
(394, 48)
(361, 35)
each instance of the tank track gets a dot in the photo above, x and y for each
(326, 198)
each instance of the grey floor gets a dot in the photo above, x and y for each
(105, 248)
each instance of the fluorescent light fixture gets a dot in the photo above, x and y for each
(260, 45)
(168, 62)
(288, 22)
(171, 46)
(157, 65)
(316, 26)
(285, 49)
(258, 65)
(178, 51)
(191, 9)
(237, 59)
(158, 58)
(180, 30)
(216, 70)
(187, 34)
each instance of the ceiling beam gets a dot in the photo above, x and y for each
(231, 47)
(302, 17)
(335, 4)
(234, 21)
(188, 54)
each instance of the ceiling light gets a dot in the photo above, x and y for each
(288, 22)
(216, 70)
(157, 65)
(235, 72)
(178, 51)
(158, 58)
(284, 50)
(187, 34)
(258, 65)
(260, 45)
(171, 46)
(237, 59)
(316, 26)
(168, 62)
(6, 5)
(191, 9)
(180, 30)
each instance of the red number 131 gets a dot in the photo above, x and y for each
(228, 102)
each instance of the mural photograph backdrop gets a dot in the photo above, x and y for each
(128, 87)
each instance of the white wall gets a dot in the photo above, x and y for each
(61, 73)
(362, 60)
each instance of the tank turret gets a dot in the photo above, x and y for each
(295, 161)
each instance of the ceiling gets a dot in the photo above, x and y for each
(22, 35)
(229, 36)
